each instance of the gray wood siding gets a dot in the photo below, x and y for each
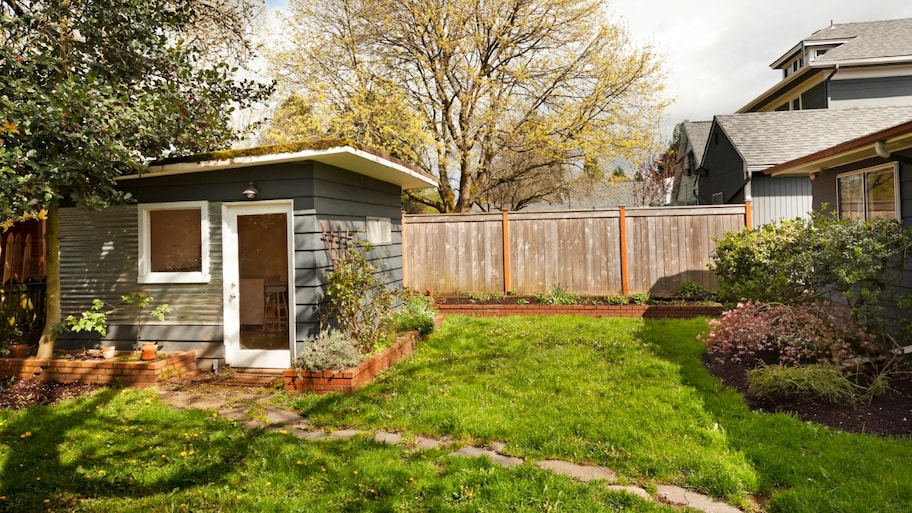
(815, 98)
(776, 198)
(98, 259)
(870, 92)
(725, 170)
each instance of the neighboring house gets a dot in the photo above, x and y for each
(863, 178)
(233, 242)
(691, 144)
(845, 65)
(741, 146)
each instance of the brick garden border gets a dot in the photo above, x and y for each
(103, 372)
(352, 378)
(644, 311)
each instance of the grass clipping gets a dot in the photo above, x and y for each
(826, 383)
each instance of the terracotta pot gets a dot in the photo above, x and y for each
(149, 350)
(18, 350)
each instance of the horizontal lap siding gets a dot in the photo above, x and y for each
(98, 259)
(577, 250)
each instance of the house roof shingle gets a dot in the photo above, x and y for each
(765, 139)
(866, 40)
(698, 133)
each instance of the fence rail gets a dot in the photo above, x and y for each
(593, 252)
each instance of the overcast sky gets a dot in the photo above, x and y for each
(717, 52)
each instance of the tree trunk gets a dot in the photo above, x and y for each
(52, 302)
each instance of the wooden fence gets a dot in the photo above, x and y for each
(22, 277)
(593, 252)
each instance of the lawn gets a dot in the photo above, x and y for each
(625, 393)
(629, 394)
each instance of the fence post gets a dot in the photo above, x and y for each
(506, 252)
(625, 285)
(748, 214)
(402, 243)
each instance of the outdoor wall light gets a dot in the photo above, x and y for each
(251, 191)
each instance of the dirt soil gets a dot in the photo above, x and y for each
(890, 415)
(18, 394)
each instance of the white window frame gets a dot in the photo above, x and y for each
(144, 262)
(894, 166)
(379, 230)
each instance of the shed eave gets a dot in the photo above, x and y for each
(345, 157)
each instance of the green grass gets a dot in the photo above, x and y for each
(122, 450)
(629, 394)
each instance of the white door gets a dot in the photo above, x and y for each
(257, 239)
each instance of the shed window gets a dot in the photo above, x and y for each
(174, 242)
(379, 230)
(869, 193)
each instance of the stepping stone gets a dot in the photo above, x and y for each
(345, 434)
(498, 446)
(238, 414)
(680, 497)
(477, 452)
(584, 473)
(388, 438)
(188, 400)
(422, 442)
(308, 435)
(633, 490)
(279, 417)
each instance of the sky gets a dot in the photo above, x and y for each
(717, 53)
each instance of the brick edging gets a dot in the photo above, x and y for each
(102, 372)
(644, 311)
(352, 378)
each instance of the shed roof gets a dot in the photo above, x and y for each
(765, 139)
(345, 155)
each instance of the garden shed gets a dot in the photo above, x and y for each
(233, 242)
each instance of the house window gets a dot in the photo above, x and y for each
(379, 231)
(174, 242)
(717, 198)
(796, 104)
(869, 193)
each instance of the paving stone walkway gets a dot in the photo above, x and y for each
(253, 411)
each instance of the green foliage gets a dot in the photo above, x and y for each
(691, 291)
(332, 350)
(640, 298)
(358, 302)
(481, 297)
(617, 300)
(822, 257)
(416, 314)
(96, 317)
(91, 89)
(557, 296)
(826, 383)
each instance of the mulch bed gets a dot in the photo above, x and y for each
(16, 394)
(890, 415)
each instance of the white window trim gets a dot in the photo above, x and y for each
(386, 227)
(881, 167)
(144, 262)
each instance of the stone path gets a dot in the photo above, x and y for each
(252, 409)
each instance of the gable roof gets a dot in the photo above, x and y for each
(765, 139)
(697, 134)
(345, 155)
(886, 39)
(892, 139)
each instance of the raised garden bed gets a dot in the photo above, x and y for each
(352, 378)
(515, 306)
(137, 373)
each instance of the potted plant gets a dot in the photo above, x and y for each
(96, 319)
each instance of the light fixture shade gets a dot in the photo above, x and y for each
(251, 191)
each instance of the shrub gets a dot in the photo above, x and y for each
(827, 383)
(755, 333)
(640, 298)
(617, 300)
(358, 302)
(557, 296)
(332, 350)
(691, 291)
(416, 314)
